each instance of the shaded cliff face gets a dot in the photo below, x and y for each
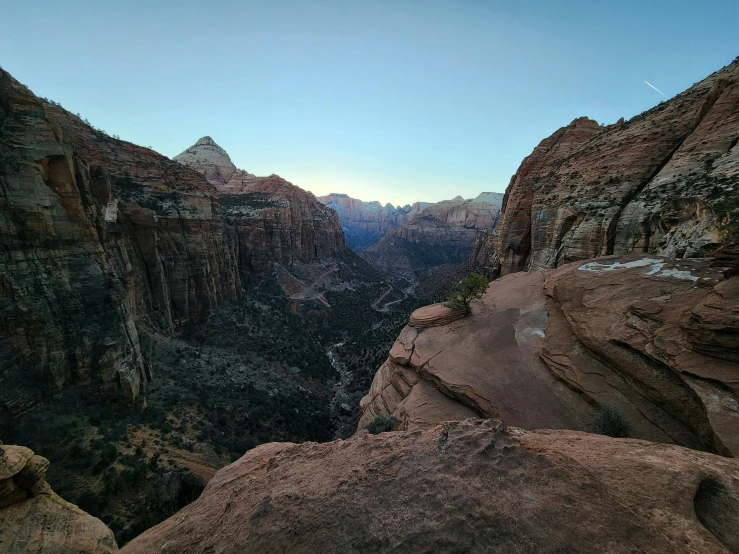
(365, 223)
(34, 520)
(96, 233)
(653, 337)
(470, 486)
(441, 234)
(662, 182)
(269, 219)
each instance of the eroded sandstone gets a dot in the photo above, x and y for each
(665, 182)
(34, 520)
(470, 486)
(655, 337)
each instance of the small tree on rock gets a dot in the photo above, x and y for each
(473, 286)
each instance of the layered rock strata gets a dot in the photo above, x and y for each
(665, 182)
(34, 520)
(443, 233)
(96, 234)
(654, 337)
(470, 486)
(433, 315)
(101, 236)
(365, 223)
(268, 219)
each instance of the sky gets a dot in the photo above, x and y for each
(390, 100)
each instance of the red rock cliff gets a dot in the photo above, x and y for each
(97, 234)
(270, 219)
(661, 182)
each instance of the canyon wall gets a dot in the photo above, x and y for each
(664, 182)
(101, 236)
(442, 233)
(269, 219)
(96, 233)
(365, 223)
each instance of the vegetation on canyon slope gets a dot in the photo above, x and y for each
(253, 371)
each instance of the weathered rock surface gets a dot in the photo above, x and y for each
(96, 234)
(365, 223)
(655, 337)
(662, 182)
(433, 315)
(442, 233)
(34, 520)
(470, 486)
(269, 219)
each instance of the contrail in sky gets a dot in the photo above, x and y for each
(655, 88)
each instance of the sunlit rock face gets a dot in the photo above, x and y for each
(662, 182)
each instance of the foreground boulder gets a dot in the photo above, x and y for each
(470, 486)
(656, 338)
(34, 520)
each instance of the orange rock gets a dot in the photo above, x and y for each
(655, 337)
(470, 486)
(655, 184)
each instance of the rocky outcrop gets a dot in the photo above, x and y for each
(97, 234)
(365, 223)
(433, 315)
(654, 337)
(34, 520)
(665, 182)
(269, 219)
(470, 486)
(442, 233)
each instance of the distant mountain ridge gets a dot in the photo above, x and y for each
(365, 223)
(441, 234)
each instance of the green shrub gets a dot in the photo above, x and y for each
(468, 288)
(381, 424)
(611, 422)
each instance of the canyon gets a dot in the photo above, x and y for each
(364, 223)
(159, 317)
(441, 234)
(166, 321)
(412, 241)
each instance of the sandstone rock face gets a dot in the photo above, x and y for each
(657, 338)
(470, 486)
(365, 223)
(34, 520)
(269, 219)
(442, 233)
(434, 315)
(96, 233)
(662, 183)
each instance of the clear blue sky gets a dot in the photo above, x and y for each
(386, 100)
